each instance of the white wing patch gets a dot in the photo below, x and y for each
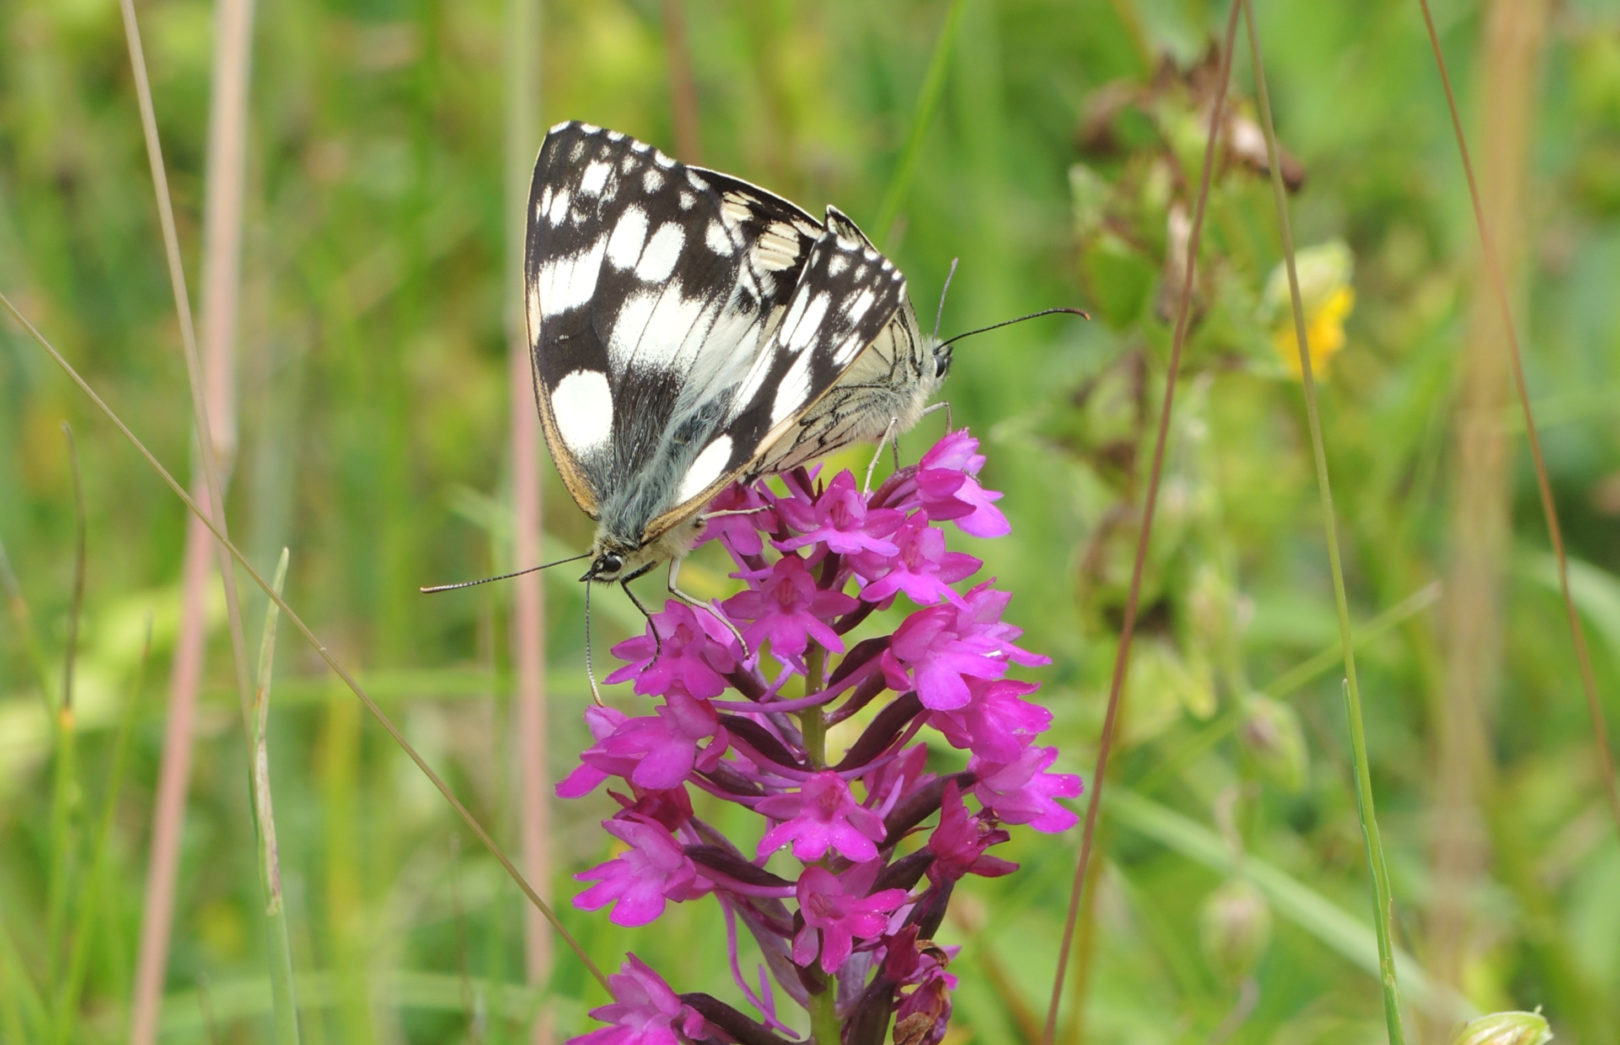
(582, 406)
(663, 251)
(629, 236)
(651, 327)
(594, 178)
(559, 207)
(568, 282)
(630, 322)
(803, 333)
(794, 390)
(716, 239)
(849, 349)
(705, 469)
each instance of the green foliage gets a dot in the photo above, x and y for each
(1061, 154)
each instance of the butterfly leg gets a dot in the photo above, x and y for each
(890, 438)
(674, 571)
(658, 640)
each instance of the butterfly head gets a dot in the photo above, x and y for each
(615, 559)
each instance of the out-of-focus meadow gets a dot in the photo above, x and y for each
(1058, 158)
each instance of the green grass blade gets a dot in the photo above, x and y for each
(283, 997)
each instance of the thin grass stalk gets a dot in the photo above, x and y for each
(1549, 506)
(95, 887)
(894, 197)
(320, 648)
(1479, 526)
(529, 609)
(1122, 653)
(1383, 902)
(23, 1010)
(169, 806)
(70, 652)
(64, 843)
(208, 464)
(23, 625)
(222, 220)
(283, 997)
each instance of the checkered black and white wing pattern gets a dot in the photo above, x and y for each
(650, 291)
(779, 235)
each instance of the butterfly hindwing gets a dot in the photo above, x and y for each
(846, 295)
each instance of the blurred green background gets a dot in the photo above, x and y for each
(1059, 162)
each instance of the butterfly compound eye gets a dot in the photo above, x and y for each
(604, 567)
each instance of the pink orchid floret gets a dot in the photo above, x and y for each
(837, 912)
(841, 520)
(694, 651)
(644, 1011)
(823, 815)
(787, 611)
(935, 654)
(996, 722)
(949, 489)
(958, 844)
(603, 723)
(920, 567)
(642, 878)
(739, 517)
(653, 752)
(1020, 791)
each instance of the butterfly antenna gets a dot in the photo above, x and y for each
(946, 289)
(590, 675)
(503, 577)
(1010, 322)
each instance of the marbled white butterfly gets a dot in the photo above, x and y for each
(690, 330)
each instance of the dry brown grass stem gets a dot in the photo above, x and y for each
(1515, 31)
(211, 380)
(1122, 656)
(1549, 507)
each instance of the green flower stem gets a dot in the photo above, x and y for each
(811, 720)
(1383, 905)
(824, 1028)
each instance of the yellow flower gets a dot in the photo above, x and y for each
(1326, 293)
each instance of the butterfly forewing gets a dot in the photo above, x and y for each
(638, 292)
